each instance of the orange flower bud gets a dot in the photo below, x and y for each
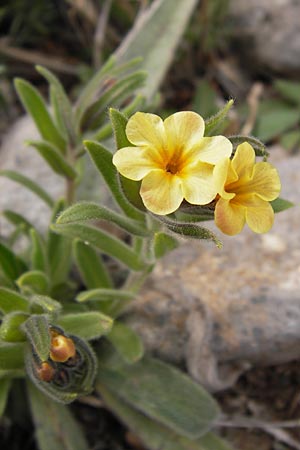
(62, 348)
(45, 372)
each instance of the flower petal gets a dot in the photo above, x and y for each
(184, 129)
(221, 173)
(213, 149)
(243, 161)
(229, 216)
(145, 129)
(133, 162)
(259, 213)
(265, 181)
(198, 184)
(161, 192)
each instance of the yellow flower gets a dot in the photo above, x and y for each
(172, 158)
(245, 189)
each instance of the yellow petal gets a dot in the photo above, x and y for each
(213, 149)
(198, 184)
(221, 175)
(243, 161)
(184, 130)
(229, 217)
(161, 192)
(145, 129)
(259, 213)
(265, 181)
(133, 162)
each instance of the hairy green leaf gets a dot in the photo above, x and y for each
(102, 159)
(29, 184)
(33, 282)
(55, 426)
(86, 325)
(103, 241)
(54, 158)
(11, 264)
(91, 266)
(5, 385)
(164, 394)
(212, 124)
(12, 301)
(127, 343)
(36, 329)
(36, 107)
(84, 211)
(10, 330)
(64, 111)
(280, 204)
(154, 434)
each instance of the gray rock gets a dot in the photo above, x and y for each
(267, 34)
(218, 312)
(16, 155)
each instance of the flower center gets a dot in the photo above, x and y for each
(172, 167)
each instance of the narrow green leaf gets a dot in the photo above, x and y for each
(103, 241)
(258, 146)
(130, 188)
(91, 266)
(36, 107)
(92, 89)
(213, 123)
(11, 264)
(205, 99)
(290, 140)
(116, 94)
(87, 325)
(12, 301)
(17, 220)
(33, 282)
(11, 356)
(104, 294)
(127, 343)
(36, 329)
(164, 394)
(10, 330)
(43, 304)
(55, 426)
(5, 385)
(84, 211)
(163, 243)
(289, 89)
(54, 158)
(273, 123)
(29, 184)
(59, 250)
(281, 204)
(138, 103)
(64, 107)
(119, 122)
(155, 36)
(38, 252)
(153, 434)
(191, 230)
(102, 159)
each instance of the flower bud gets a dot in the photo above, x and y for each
(62, 348)
(45, 372)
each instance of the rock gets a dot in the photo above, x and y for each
(267, 34)
(218, 312)
(16, 155)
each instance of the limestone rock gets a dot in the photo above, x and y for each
(267, 34)
(218, 312)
